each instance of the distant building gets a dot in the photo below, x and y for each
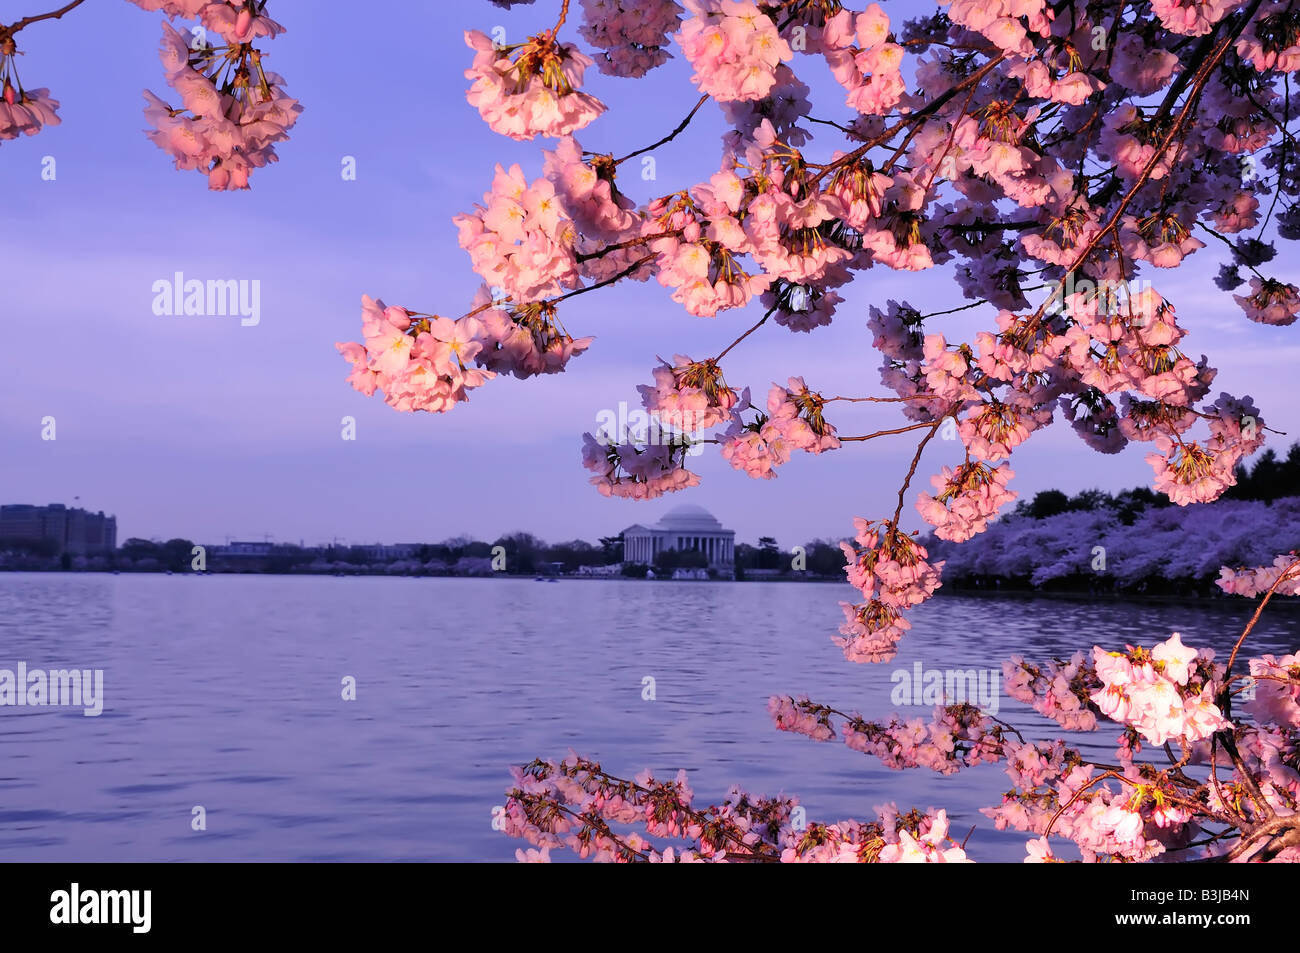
(74, 531)
(686, 527)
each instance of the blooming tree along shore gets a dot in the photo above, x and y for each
(1162, 550)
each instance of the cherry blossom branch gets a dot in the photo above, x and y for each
(597, 775)
(681, 126)
(587, 820)
(760, 323)
(1287, 574)
(1203, 73)
(1287, 138)
(1014, 158)
(608, 281)
(885, 433)
(1256, 795)
(564, 15)
(28, 21)
(1228, 242)
(925, 111)
(1277, 825)
(639, 240)
(916, 460)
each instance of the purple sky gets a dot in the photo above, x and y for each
(198, 427)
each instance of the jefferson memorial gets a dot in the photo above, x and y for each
(685, 527)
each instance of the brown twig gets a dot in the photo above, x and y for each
(1285, 575)
(671, 136)
(761, 322)
(7, 31)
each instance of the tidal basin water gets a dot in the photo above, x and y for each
(225, 692)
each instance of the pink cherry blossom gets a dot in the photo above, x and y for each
(1270, 302)
(632, 35)
(733, 47)
(225, 127)
(535, 93)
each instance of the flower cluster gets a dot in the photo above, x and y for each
(689, 395)
(798, 412)
(233, 110)
(793, 421)
(733, 47)
(968, 497)
(534, 94)
(888, 565)
(929, 848)
(1187, 472)
(521, 239)
(993, 429)
(26, 112)
(891, 571)
(868, 67)
(419, 362)
(757, 448)
(637, 472)
(1277, 690)
(697, 245)
(632, 35)
(1184, 469)
(1270, 302)
(1284, 574)
(588, 193)
(1166, 693)
(894, 838)
(524, 341)
(22, 111)
(1192, 19)
(1059, 690)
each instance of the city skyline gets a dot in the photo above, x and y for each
(8, 517)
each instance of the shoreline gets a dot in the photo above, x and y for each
(1135, 597)
(1022, 594)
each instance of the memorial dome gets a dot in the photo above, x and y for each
(689, 517)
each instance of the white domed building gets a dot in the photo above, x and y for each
(683, 528)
